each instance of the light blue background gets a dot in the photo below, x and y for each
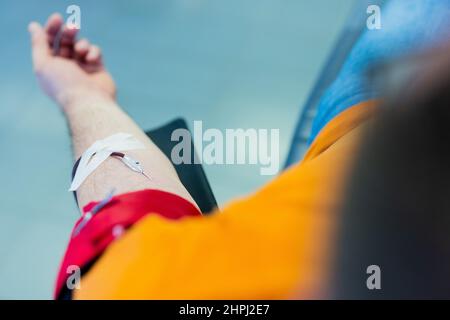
(230, 63)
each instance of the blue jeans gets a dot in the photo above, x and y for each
(406, 26)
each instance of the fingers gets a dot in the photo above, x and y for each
(52, 27)
(88, 55)
(67, 42)
(68, 36)
(94, 55)
(61, 39)
(81, 49)
(39, 43)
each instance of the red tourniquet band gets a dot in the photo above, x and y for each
(122, 211)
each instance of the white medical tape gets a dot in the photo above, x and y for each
(96, 154)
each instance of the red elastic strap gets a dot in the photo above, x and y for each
(123, 210)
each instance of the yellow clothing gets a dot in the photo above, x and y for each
(274, 244)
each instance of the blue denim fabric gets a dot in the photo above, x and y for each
(406, 26)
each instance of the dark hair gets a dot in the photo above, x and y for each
(396, 212)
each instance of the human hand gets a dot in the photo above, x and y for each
(75, 71)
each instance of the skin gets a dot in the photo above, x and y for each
(77, 80)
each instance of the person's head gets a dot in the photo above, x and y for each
(397, 207)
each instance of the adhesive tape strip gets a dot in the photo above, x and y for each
(100, 150)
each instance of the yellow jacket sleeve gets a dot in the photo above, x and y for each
(274, 244)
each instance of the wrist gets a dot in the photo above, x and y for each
(79, 97)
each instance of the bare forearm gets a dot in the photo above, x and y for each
(76, 79)
(94, 116)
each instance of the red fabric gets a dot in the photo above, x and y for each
(123, 210)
